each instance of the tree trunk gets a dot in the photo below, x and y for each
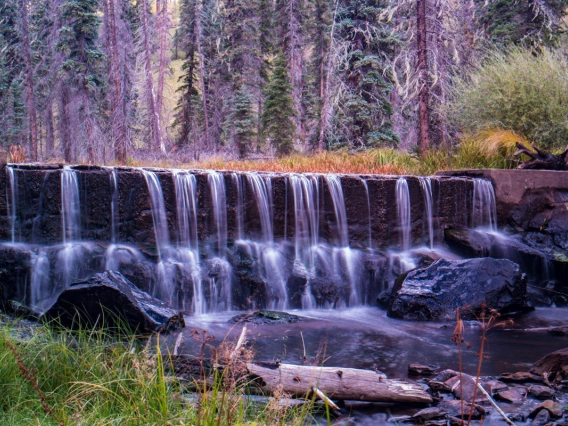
(202, 71)
(49, 131)
(156, 125)
(325, 110)
(118, 120)
(65, 123)
(423, 79)
(540, 159)
(162, 11)
(29, 82)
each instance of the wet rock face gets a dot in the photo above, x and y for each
(435, 292)
(109, 297)
(15, 267)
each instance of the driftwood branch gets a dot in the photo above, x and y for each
(540, 159)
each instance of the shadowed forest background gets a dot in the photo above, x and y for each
(121, 81)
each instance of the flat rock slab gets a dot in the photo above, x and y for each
(110, 299)
(435, 292)
(268, 318)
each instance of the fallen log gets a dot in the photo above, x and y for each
(337, 383)
(540, 159)
(299, 381)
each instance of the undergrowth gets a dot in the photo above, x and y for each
(486, 149)
(97, 378)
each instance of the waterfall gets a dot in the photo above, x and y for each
(262, 190)
(403, 212)
(305, 192)
(159, 215)
(216, 183)
(70, 211)
(240, 205)
(220, 286)
(366, 186)
(484, 211)
(113, 206)
(426, 185)
(336, 191)
(187, 253)
(11, 200)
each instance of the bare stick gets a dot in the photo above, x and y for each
(240, 342)
(495, 405)
(178, 343)
(324, 398)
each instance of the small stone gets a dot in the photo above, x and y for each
(439, 386)
(444, 375)
(541, 392)
(429, 413)
(520, 377)
(552, 407)
(511, 395)
(542, 418)
(516, 417)
(454, 409)
(494, 386)
(467, 388)
(420, 369)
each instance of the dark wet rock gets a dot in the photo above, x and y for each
(421, 370)
(520, 377)
(439, 386)
(494, 386)
(454, 409)
(15, 272)
(111, 298)
(268, 318)
(551, 364)
(516, 417)
(512, 395)
(554, 408)
(464, 388)
(541, 419)
(429, 413)
(444, 375)
(541, 392)
(435, 292)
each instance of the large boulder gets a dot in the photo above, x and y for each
(110, 298)
(553, 365)
(435, 292)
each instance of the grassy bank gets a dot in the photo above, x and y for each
(489, 149)
(92, 378)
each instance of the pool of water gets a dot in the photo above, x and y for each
(367, 338)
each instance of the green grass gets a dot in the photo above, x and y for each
(94, 378)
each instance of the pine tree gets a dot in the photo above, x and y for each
(363, 117)
(278, 111)
(243, 120)
(83, 63)
(523, 22)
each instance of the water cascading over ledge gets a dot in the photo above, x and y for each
(207, 241)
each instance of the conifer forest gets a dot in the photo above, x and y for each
(105, 81)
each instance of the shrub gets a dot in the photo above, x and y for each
(522, 90)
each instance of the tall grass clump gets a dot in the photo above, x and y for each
(97, 377)
(521, 90)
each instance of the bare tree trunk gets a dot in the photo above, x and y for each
(156, 125)
(65, 123)
(162, 11)
(202, 71)
(118, 120)
(325, 110)
(29, 82)
(49, 132)
(295, 61)
(423, 80)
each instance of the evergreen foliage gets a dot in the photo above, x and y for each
(278, 111)
(243, 121)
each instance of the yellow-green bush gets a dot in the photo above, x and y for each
(520, 90)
